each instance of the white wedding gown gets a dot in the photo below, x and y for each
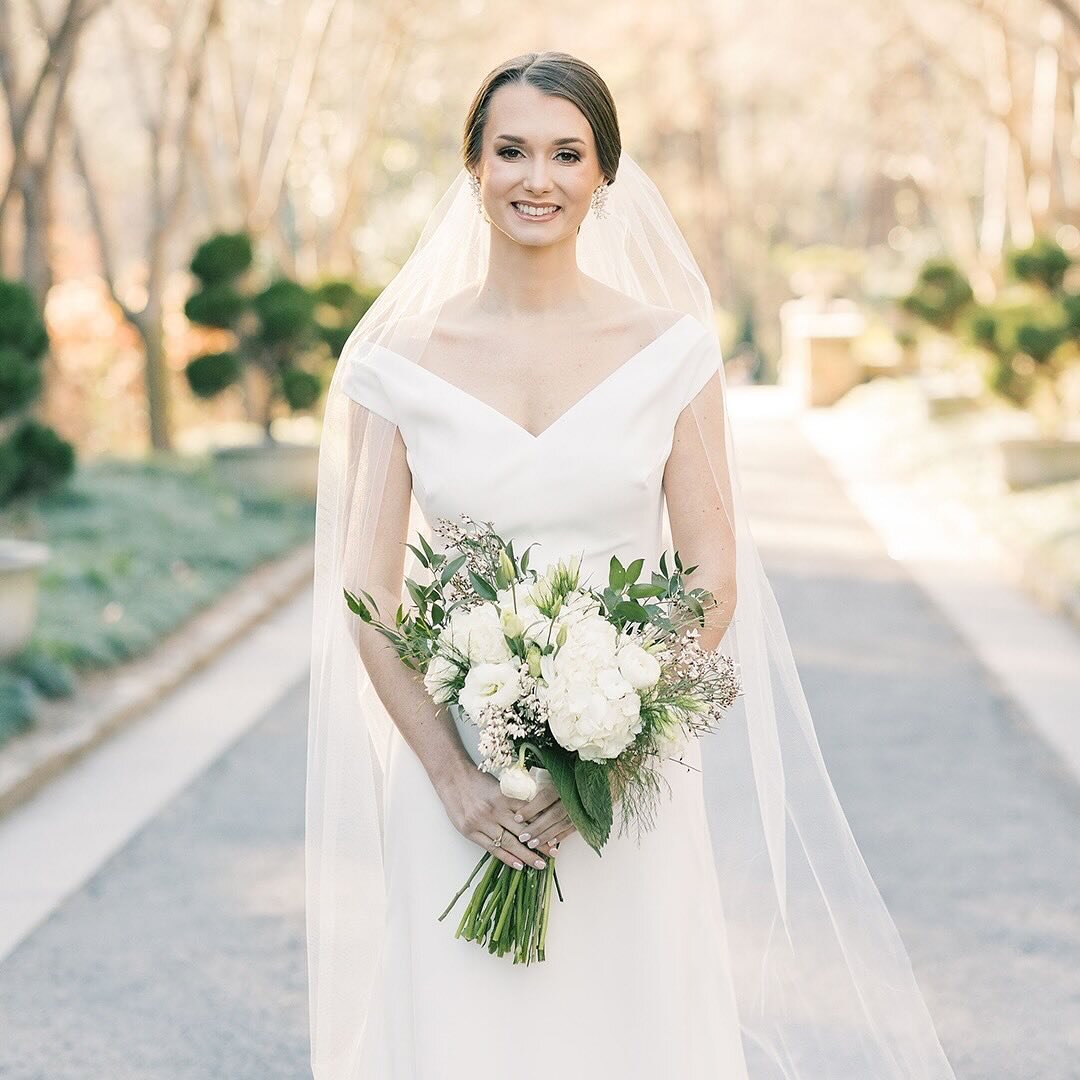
(636, 984)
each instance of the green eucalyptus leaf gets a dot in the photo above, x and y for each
(419, 554)
(451, 568)
(631, 611)
(616, 574)
(483, 588)
(357, 606)
(418, 594)
(637, 592)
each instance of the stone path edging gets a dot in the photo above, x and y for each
(105, 702)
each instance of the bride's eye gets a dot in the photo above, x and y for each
(508, 149)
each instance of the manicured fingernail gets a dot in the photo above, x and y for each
(524, 836)
(517, 866)
(518, 817)
(539, 864)
(534, 842)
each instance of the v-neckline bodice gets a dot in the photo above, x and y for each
(621, 371)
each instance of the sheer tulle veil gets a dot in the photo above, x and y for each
(824, 984)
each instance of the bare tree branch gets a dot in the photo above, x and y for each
(293, 107)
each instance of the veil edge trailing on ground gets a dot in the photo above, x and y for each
(824, 985)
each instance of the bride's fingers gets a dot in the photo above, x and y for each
(564, 831)
(543, 828)
(510, 851)
(544, 798)
(510, 840)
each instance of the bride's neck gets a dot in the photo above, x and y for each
(533, 282)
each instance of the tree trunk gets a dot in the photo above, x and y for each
(151, 326)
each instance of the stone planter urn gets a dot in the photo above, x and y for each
(20, 564)
(270, 468)
(817, 358)
(1033, 462)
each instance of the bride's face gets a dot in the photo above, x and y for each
(539, 149)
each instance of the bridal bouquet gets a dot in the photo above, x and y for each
(593, 686)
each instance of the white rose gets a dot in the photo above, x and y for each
(490, 685)
(638, 666)
(440, 672)
(478, 634)
(516, 782)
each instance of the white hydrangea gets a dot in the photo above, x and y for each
(592, 707)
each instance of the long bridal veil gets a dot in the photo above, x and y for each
(824, 985)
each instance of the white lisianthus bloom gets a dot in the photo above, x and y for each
(534, 624)
(440, 673)
(478, 634)
(578, 607)
(671, 741)
(490, 685)
(638, 666)
(512, 624)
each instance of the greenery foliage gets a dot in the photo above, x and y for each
(33, 458)
(1028, 333)
(137, 548)
(283, 329)
(940, 294)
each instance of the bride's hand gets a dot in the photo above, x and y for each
(544, 819)
(480, 811)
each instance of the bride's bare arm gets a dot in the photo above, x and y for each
(473, 800)
(425, 728)
(697, 486)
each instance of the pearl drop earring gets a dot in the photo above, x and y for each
(474, 183)
(599, 198)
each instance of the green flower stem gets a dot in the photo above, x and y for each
(508, 909)
(529, 937)
(492, 903)
(549, 874)
(506, 905)
(478, 895)
(457, 896)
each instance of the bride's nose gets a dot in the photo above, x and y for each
(539, 178)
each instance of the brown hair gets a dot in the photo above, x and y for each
(564, 76)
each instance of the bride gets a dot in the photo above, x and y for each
(546, 361)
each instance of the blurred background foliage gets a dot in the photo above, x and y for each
(802, 146)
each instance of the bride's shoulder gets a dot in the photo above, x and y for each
(621, 311)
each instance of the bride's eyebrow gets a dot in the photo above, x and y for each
(554, 142)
